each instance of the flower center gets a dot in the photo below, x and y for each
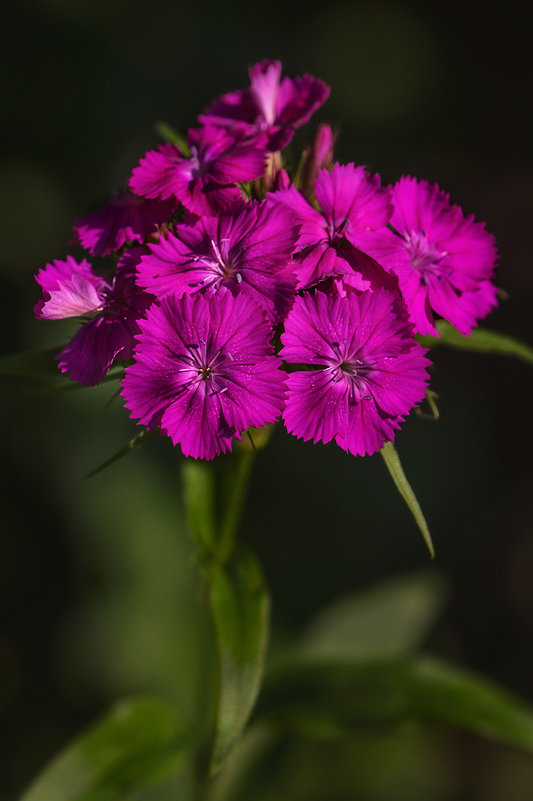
(424, 256)
(199, 164)
(354, 368)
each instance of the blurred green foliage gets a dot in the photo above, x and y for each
(100, 596)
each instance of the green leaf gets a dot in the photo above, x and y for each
(394, 466)
(391, 618)
(141, 742)
(240, 605)
(31, 363)
(338, 698)
(37, 372)
(132, 445)
(481, 339)
(168, 133)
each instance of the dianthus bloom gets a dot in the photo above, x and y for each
(271, 104)
(72, 289)
(443, 260)
(204, 372)
(352, 202)
(247, 250)
(126, 219)
(364, 372)
(205, 182)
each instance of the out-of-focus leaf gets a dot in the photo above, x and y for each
(392, 618)
(481, 340)
(240, 605)
(336, 698)
(166, 131)
(31, 363)
(394, 466)
(141, 742)
(36, 372)
(132, 445)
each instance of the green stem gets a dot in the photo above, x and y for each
(236, 484)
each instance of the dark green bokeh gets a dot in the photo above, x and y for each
(97, 577)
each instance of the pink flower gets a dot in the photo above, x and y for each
(246, 250)
(443, 260)
(127, 218)
(351, 202)
(204, 371)
(271, 104)
(364, 372)
(205, 182)
(73, 290)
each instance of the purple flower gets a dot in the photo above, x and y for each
(73, 290)
(443, 260)
(127, 218)
(369, 371)
(351, 202)
(246, 251)
(204, 181)
(272, 104)
(204, 371)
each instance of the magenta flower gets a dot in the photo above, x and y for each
(73, 290)
(272, 104)
(351, 202)
(369, 371)
(205, 182)
(443, 260)
(204, 371)
(127, 218)
(246, 251)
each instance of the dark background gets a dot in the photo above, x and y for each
(94, 575)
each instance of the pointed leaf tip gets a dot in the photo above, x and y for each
(394, 466)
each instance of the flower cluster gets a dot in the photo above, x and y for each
(243, 293)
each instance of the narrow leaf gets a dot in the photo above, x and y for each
(390, 618)
(168, 133)
(337, 698)
(132, 445)
(240, 604)
(481, 339)
(139, 743)
(394, 466)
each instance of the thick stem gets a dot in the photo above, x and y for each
(235, 485)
